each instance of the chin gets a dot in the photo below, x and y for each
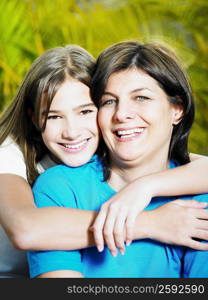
(128, 157)
(76, 163)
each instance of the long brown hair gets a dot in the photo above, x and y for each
(20, 120)
(161, 64)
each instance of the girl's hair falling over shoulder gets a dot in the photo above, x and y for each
(21, 119)
(159, 62)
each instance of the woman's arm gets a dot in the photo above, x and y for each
(123, 208)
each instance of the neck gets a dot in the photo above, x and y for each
(123, 174)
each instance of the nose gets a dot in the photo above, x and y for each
(124, 112)
(70, 130)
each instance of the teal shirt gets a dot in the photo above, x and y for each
(84, 188)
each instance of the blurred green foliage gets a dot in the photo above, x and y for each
(29, 27)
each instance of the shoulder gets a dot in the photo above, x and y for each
(11, 159)
(11, 146)
(63, 175)
(64, 186)
(50, 178)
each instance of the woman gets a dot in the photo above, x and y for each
(145, 114)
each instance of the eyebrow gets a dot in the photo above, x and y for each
(78, 107)
(85, 105)
(139, 90)
(131, 92)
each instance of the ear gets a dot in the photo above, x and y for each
(177, 114)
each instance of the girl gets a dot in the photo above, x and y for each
(27, 135)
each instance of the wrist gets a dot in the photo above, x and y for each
(150, 185)
(143, 228)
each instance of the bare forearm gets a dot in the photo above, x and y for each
(59, 228)
(48, 228)
(184, 180)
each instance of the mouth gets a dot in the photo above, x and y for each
(74, 147)
(128, 134)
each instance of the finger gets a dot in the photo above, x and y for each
(130, 222)
(202, 214)
(190, 203)
(197, 245)
(119, 230)
(98, 229)
(108, 231)
(201, 234)
(201, 224)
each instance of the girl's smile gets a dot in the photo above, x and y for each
(75, 146)
(71, 132)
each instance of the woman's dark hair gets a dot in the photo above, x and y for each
(21, 120)
(160, 63)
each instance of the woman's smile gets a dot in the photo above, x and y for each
(128, 134)
(136, 119)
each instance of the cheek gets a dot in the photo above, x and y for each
(160, 115)
(49, 133)
(90, 124)
(46, 137)
(103, 120)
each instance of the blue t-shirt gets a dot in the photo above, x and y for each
(84, 188)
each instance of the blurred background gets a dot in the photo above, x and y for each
(29, 27)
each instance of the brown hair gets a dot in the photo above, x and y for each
(42, 81)
(161, 64)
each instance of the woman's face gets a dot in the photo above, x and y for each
(135, 118)
(71, 132)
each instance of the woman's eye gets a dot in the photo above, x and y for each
(142, 98)
(107, 102)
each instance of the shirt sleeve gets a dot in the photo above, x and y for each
(52, 189)
(12, 160)
(195, 261)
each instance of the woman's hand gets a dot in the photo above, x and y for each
(179, 222)
(116, 219)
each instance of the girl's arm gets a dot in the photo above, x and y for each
(49, 228)
(45, 228)
(118, 215)
(179, 222)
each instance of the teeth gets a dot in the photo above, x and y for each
(75, 146)
(130, 131)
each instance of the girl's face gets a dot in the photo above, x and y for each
(71, 132)
(135, 118)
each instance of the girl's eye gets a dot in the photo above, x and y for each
(86, 111)
(53, 117)
(107, 102)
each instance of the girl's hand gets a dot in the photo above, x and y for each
(179, 222)
(116, 219)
